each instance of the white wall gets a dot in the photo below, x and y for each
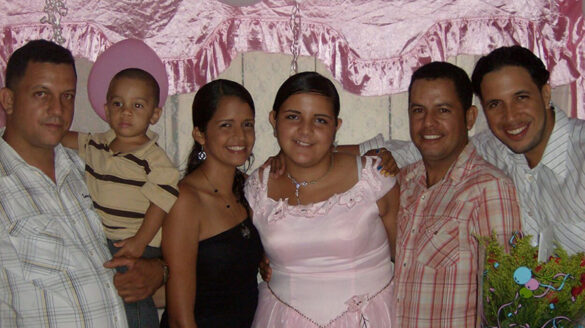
(262, 74)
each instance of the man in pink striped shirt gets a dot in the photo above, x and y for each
(447, 198)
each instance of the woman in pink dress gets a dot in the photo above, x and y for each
(326, 223)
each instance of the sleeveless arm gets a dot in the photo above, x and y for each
(404, 152)
(388, 207)
(180, 245)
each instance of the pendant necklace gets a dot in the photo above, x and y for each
(299, 184)
(244, 230)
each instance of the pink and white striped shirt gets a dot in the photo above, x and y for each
(436, 280)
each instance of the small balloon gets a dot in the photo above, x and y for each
(525, 292)
(522, 275)
(532, 284)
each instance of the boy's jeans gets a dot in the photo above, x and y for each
(141, 314)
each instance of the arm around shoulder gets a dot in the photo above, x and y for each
(404, 152)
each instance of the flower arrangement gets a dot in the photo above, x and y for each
(519, 291)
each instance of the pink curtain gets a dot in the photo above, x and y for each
(370, 46)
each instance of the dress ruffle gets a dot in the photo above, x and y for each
(197, 40)
(369, 185)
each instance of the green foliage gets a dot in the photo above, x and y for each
(501, 293)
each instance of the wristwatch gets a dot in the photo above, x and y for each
(165, 268)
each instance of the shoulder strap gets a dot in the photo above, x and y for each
(358, 160)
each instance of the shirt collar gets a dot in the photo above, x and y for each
(9, 158)
(110, 135)
(11, 161)
(555, 153)
(456, 172)
(460, 168)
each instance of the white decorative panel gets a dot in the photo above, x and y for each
(363, 117)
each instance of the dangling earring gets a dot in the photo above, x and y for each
(201, 155)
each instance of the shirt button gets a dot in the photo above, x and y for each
(413, 230)
(529, 177)
(404, 264)
(423, 197)
(107, 285)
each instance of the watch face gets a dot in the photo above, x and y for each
(165, 268)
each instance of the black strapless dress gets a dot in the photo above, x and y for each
(227, 289)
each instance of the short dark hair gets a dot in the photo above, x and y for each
(139, 74)
(443, 70)
(307, 82)
(510, 56)
(36, 51)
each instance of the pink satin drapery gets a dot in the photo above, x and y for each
(371, 47)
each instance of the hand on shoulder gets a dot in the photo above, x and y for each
(387, 166)
(276, 164)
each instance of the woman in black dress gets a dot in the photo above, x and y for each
(209, 243)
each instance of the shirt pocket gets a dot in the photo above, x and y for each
(40, 246)
(438, 245)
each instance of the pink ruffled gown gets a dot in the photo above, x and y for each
(330, 260)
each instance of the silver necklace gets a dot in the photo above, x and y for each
(244, 230)
(299, 184)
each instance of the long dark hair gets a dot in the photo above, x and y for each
(204, 107)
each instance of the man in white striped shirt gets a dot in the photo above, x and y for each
(537, 145)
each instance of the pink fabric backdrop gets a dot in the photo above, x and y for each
(370, 46)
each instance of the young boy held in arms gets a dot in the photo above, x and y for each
(131, 180)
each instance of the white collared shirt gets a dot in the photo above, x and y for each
(52, 248)
(552, 193)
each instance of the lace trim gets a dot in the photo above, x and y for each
(357, 303)
(369, 184)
